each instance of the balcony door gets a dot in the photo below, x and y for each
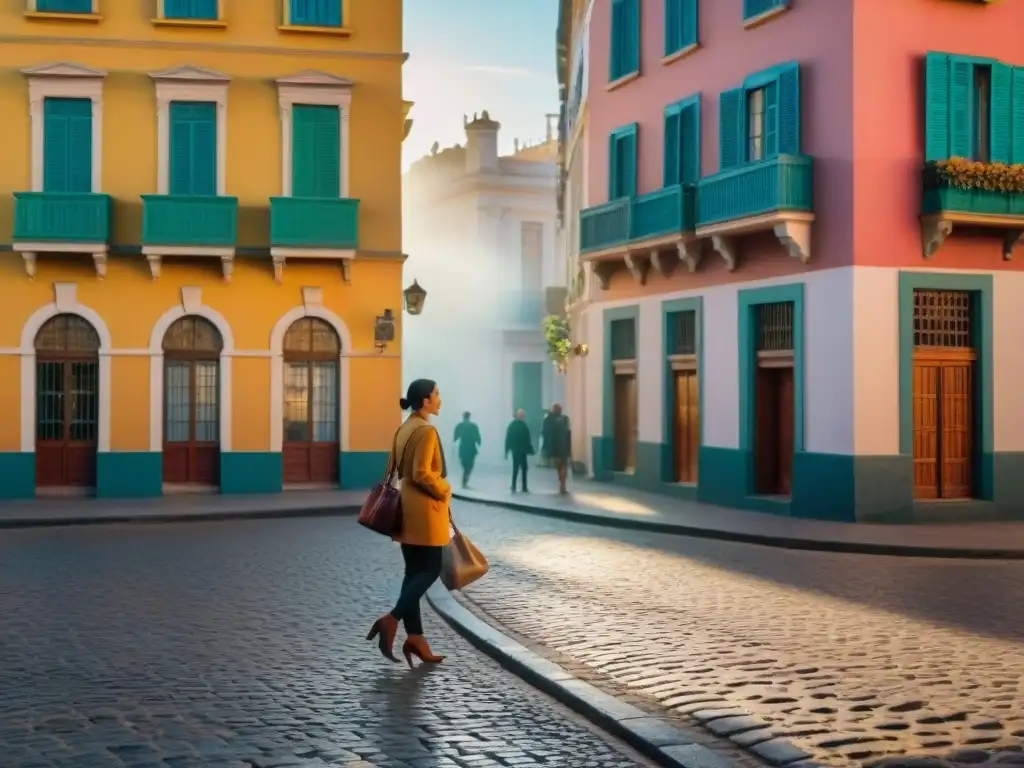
(311, 450)
(67, 402)
(192, 347)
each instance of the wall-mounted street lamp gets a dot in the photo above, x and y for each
(581, 350)
(415, 297)
(384, 330)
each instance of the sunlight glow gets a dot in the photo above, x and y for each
(613, 504)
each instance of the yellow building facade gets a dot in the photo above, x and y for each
(200, 227)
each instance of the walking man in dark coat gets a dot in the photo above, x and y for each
(467, 435)
(558, 443)
(519, 443)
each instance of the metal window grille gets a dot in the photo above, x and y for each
(775, 327)
(311, 334)
(942, 319)
(193, 334)
(623, 334)
(683, 329)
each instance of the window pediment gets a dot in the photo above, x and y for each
(190, 74)
(63, 69)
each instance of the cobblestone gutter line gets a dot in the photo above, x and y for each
(184, 516)
(655, 737)
(781, 541)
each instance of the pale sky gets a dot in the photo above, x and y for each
(466, 56)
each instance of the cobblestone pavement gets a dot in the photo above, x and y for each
(854, 658)
(240, 645)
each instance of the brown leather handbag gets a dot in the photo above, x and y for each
(462, 563)
(382, 510)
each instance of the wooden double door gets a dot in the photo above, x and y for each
(67, 423)
(625, 422)
(192, 422)
(774, 430)
(685, 425)
(943, 418)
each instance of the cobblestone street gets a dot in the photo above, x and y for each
(851, 657)
(240, 645)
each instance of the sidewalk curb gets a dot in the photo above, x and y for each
(761, 539)
(178, 517)
(654, 737)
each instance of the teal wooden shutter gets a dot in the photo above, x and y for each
(190, 9)
(316, 151)
(67, 145)
(680, 25)
(690, 140)
(624, 56)
(1001, 122)
(730, 128)
(64, 6)
(961, 94)
(613, 165)
(627, 153)
(672, 157)
(936, 107)
(1017, 149)
(193, 151)
(315, 13)
(788, 99)
(752, 8)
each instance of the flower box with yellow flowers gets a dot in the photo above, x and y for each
(969, 186)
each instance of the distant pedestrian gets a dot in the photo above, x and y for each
(558, 443)
(519, 443)
(419, 458)
(467, 435)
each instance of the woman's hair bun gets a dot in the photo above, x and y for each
(403, 404)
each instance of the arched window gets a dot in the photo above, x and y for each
(67, 402)
(192, 347)
(311, 402)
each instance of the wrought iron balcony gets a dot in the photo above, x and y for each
(314, 222)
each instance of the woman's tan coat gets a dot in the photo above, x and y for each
(425, 494)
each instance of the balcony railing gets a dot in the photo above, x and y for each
(314, 222)
(941, 199)
(783, 183)
(521, 310)
(190, 220)
(61, 217)
(662, 212)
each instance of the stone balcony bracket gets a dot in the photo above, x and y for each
(278, 257)
(30, 253)
(791, 228)
(155, 255)
(936, 227)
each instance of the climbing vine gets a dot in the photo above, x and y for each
(556, 334)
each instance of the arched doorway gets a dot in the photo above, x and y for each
(311, 402)
(67, 402)
(192, 347)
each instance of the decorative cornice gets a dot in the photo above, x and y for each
(64, 69)
(190, 74)
(312, 78)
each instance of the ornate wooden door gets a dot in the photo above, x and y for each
(625, 422)
(686, 426)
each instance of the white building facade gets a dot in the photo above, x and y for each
(480, 231)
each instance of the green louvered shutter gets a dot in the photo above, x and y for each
(193, 150)
(316, 151)
(1017, 148)
(67, 145)
(772, 120)
(936, 107)
(680, 25)
(672, 158)
(315, 13)
(1001, 123)
(627, 160)
(961, 93)
(64, 6)
(690, 141)
(190, 9)
(730, 128)
(789, 109)
(624, 58)
(613, 165)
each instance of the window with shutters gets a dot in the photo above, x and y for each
(681, 32)
(316, 151)
(623, 333)
(315, 13)
(761, 119)
(682, 142)
(755, 10)
(199, 10)
(65, 6)
(622, 162)
(624, 58)
(974, 108)
(67, 145)
(193, 148)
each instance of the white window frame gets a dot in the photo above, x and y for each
(190, 84)
(65, 80)
(33, 8)
(316, 89)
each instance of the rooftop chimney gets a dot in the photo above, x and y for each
(481, 142)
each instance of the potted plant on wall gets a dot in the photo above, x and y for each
(556, 334)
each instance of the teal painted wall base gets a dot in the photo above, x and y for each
(129, 474)
(251, 472)
(17, 475)
(362, 469)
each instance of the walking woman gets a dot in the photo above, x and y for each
(426, 495)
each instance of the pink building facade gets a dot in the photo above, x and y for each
(794, 303)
